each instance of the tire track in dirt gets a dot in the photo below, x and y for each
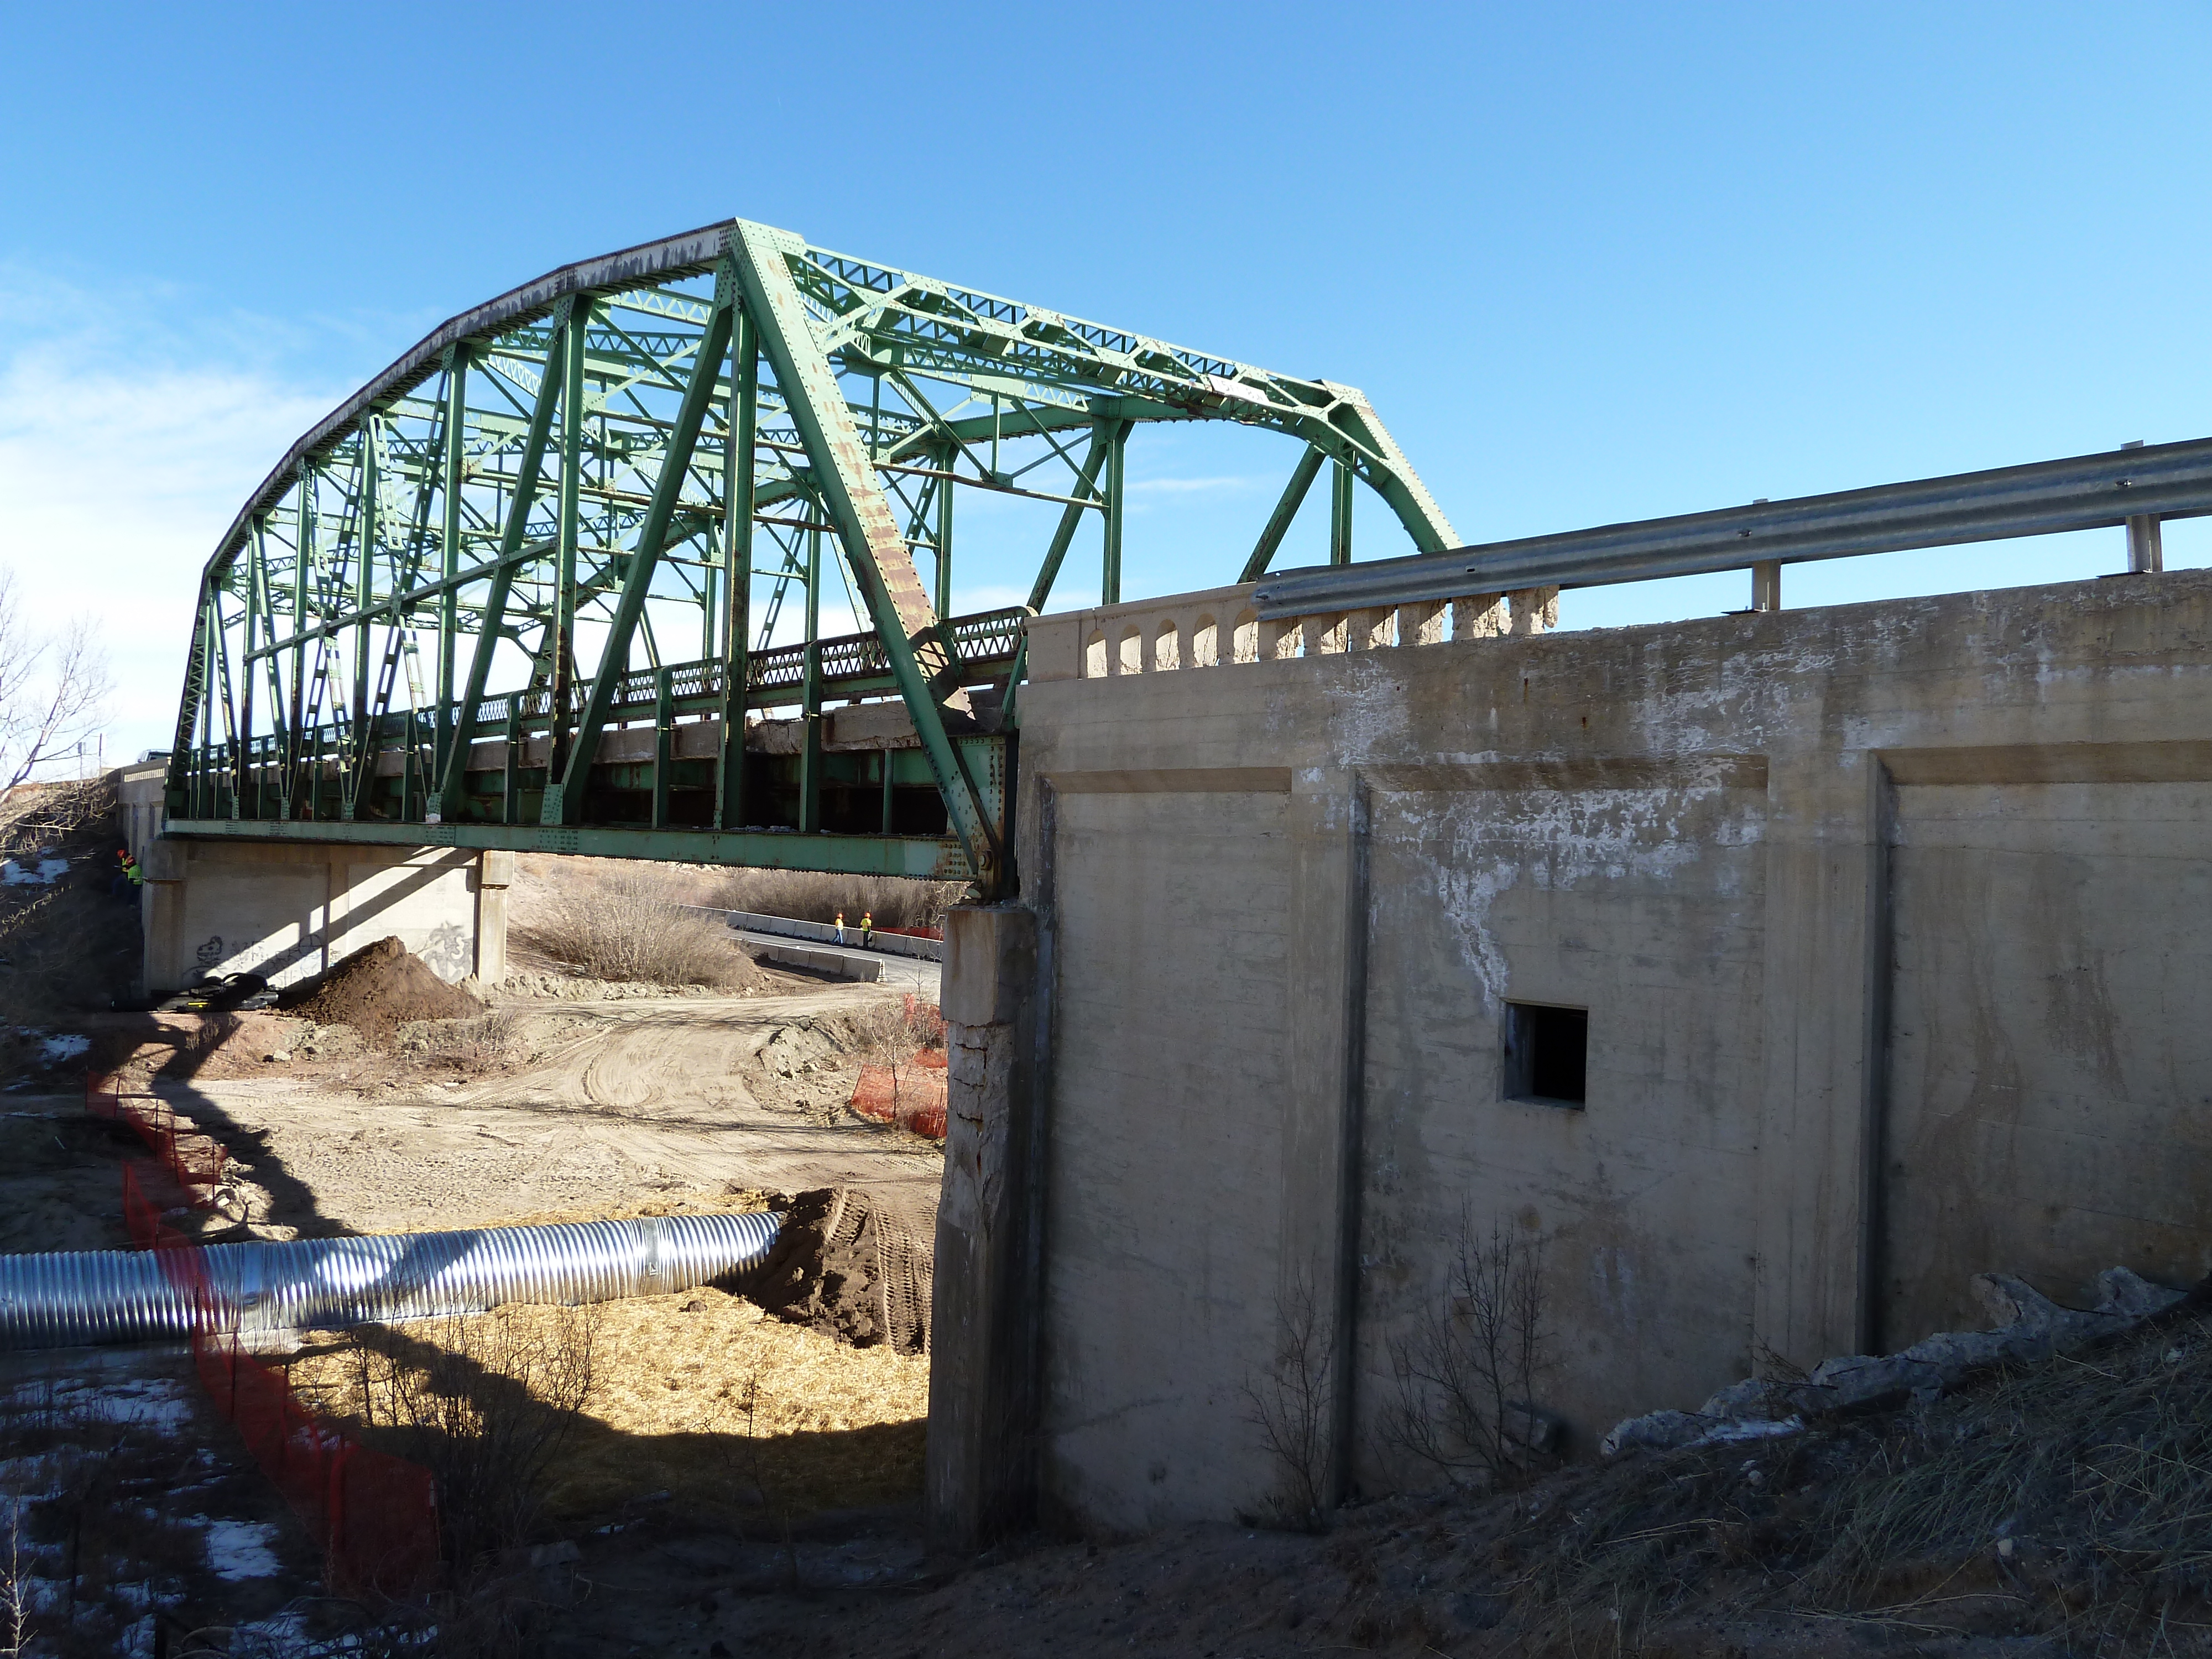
(624, 1103)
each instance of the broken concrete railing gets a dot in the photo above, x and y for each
(1218, 628)
(2030, 1326)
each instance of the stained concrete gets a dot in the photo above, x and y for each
(289, 911)
(1889, 920)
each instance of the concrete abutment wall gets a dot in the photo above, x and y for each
(290, 911)
(1889, 921)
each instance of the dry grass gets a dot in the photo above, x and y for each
(613, 920)
(483, 1044)
(740, 1419)
(2097, 1468)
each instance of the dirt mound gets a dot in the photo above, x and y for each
(376, 990)
(844, 1266)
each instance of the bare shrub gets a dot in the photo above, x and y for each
(1466, 1372)
(1291, 1402)
(32, 815)
(485, 1402)
(482, 1044)
(805, 895)
(627, 924)
(53, 689)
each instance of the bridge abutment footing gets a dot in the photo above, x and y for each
(289, 911)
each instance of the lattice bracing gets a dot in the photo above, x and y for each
(595, 503)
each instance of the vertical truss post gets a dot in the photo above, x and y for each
(303, 559)
(1117, 455)
(1071, 516)
(1339, 513)
(449, 544)
(875, 552)
(810, 761)
(1286, 509)
(663, 743)
(271, 667)
(527, 473)
(353, 767)
(887, 789)
(250, 635)
(737, 568)
(561, 665)
(945, 456)
(565, 787)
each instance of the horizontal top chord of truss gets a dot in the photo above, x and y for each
(542, 504)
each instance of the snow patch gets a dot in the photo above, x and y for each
(239, 1549)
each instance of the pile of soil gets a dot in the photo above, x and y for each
(842, 1265)
(377, 989)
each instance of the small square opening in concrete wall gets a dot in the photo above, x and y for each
(1546, 1052)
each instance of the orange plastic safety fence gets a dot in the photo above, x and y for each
(376, 1515)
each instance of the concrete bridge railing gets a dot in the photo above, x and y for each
(1218, 628)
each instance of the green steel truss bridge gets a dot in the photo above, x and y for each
(517, 591)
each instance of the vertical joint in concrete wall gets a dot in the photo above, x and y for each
(979, 1478)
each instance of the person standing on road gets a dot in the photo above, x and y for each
(128, 879)
(868, 930)
(841, 927)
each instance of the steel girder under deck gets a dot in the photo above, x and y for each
(437, 618)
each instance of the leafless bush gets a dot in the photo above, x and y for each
(469, 1045)
(1466, 1372)
(485, 1403)
(805, 896)
(1289, 1403)
(32, 815)
(628, 925)
(53, 689)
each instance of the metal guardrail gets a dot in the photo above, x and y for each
(2136, 486)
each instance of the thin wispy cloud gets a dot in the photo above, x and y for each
(1186, 486)
(124, 452)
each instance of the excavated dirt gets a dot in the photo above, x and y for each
(845, 1267)
(377, 989)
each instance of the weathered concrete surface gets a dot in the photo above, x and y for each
(288, 911)
(1890, 921)
(981, 1458)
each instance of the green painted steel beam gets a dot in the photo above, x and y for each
(927, 858)
(564, 801)
(875, 553)
(441, 511)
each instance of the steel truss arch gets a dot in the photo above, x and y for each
(440, 611)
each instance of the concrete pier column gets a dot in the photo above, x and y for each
(980, 1471)
(495, 874)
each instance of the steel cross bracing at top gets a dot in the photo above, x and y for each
(578, 509)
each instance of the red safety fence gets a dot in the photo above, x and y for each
(375, 1515)
(911, 1094)
(195, 1160)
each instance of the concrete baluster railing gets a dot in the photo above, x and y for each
(1218, 629)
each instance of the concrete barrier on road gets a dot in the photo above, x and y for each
(821, 932)
(845, 964)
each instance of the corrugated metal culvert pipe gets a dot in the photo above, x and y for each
(79, 1297)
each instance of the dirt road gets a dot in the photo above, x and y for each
(618, 1104)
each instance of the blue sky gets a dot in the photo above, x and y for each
(1591, 263)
